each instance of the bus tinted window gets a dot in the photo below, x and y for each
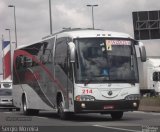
(102, 60)
(61, 57)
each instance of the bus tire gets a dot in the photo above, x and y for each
(117, 115)
(26, 111)
(63, 115)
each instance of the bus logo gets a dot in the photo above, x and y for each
(110, 93)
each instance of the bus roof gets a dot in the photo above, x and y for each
(92, 33)
(82, 33)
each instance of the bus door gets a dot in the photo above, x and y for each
(63, 72)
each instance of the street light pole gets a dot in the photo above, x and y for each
(92, 13)
(50, 15)
(14, 24)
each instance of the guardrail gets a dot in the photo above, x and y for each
(151, 104)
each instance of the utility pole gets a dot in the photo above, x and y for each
(92, 14)
(50, 16)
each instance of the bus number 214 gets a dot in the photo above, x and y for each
(87, 91)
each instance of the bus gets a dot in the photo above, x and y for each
(78, 71)
(6, 99)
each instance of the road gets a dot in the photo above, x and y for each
(131, 122)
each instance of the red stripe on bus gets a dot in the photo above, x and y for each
(22, 52)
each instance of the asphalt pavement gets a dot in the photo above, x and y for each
(49, 121)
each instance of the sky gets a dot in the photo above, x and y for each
(32, 18)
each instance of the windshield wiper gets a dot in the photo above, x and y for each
(124, 81)
(102, 76)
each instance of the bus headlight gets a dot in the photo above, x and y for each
(133, 97)
(85, 98)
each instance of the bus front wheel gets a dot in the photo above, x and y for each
(24, 104)
(62, 114)
(27, 111)
(117, 115)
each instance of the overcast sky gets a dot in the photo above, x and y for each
(33, 18)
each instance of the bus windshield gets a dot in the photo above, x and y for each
(105, 60)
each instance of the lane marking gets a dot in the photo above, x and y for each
(155, 113)
(41, 117)
(7, 112)
(116, 128)
(143, 112)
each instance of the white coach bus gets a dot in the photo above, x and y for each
(78, 71)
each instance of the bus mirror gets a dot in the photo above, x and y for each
(72, 51)
(142, 51)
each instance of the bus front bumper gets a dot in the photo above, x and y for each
(105, 106)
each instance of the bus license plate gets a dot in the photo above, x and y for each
(106, 107)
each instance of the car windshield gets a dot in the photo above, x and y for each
(5, 92)
(101, 59)
(7, 85)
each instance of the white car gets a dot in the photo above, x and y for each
(6, 99)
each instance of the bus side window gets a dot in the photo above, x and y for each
(33, 63)
(61, 54)
(24, 62)
(46, 52)
(47, 56)
(28, 62)
(62, 57)
(49, 50)
(19, 62)
(70, 74)
(43, 57)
